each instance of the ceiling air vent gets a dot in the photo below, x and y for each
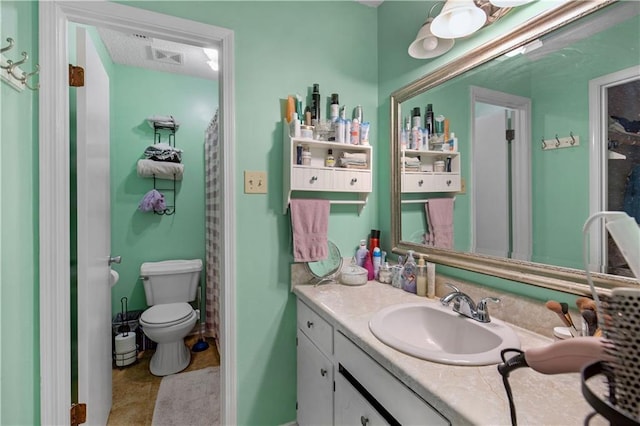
(167, 56)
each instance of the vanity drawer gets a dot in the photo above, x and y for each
(400, 401)
(316, 328)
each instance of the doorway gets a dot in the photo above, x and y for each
(54, 187)
(501, 174)
(614, 160)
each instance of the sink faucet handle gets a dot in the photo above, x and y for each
(452, 287)
(482, 312)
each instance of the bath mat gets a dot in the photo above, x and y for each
(190, 398)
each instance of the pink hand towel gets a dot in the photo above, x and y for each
(309, 222)
(440, 218)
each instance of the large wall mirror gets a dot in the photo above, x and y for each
(547, 121)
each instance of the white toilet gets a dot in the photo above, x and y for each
(169, 286)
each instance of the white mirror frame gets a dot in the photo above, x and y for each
(562, 279)
(55, 336)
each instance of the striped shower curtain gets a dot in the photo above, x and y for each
(213, 223)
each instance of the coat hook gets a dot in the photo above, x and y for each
(12, 65)
(573, 140)
(544, 144)
(557, 141)
(25, 78)
(9, 47)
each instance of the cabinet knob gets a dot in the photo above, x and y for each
(448, 182)
(309, 324)
(323, 372)
(364, 421)
(420, 182)
(314, 178)
(354, 180)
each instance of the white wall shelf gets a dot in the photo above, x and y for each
(317, 177)
(424, 178)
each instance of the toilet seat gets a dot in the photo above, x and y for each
(166, 315)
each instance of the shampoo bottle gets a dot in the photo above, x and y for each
(421, 278)
(453, 143)
(362, 253)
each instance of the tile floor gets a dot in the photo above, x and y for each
(135, 388)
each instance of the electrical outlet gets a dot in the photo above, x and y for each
(255, 182)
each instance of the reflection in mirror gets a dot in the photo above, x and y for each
(527, 136)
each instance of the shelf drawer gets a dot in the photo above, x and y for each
(311, 179)
(352, 180)
(316, 328)
(446, 182)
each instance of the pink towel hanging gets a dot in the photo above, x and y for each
(309, 223)
(440, 220)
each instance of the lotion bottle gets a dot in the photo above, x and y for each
(421, 278)
(408, 274)
(362, 253)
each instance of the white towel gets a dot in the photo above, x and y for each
(161, 169)
(358, 156)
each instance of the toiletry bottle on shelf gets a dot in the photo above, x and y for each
(415, 117)
(453, 143)
(377, 261)
(329, 161)
(428, 119)
(408, 274)
(315, 104)
(354, 137)
(362, 253)
(294, 126)
(334, 107)
(421, 278)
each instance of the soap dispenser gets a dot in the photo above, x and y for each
(408, 273)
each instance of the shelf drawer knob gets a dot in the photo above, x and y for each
(323, 372)
(309, 324)
(420, 182)
(353, 181)
(448, 182)
(364, 421)
(314, 178)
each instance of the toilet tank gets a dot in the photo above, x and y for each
(170, 281)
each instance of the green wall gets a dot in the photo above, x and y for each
(19, 300)
(142, 237)
(281, 48)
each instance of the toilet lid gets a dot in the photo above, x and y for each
(166, 313)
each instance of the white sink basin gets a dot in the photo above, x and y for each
(435, 333)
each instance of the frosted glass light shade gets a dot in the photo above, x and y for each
(458, 18)
(426, 45)
(509, 3)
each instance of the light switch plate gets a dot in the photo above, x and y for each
(255, 182)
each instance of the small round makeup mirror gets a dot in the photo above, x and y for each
(327, 269)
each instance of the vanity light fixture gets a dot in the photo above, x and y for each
(426, 45)
(460, 18)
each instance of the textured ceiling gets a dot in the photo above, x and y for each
(137, 50)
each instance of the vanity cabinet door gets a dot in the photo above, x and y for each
(315, 384)
(352, 408)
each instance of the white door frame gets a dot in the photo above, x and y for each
(598, 156)
(521, 161)
(55, 334)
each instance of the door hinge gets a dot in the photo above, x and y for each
(76, 76)
(78, 414)
(296, 405)
(510, 134)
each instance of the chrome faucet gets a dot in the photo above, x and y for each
(464, 305)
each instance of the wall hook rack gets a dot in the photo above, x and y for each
(11, 72)
(558, 142)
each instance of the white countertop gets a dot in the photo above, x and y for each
(465, 395)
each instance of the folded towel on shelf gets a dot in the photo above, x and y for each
(309, 223)
(152, 201)
(354, 166)
(160, 169)
(166, 121)
(411, 161)
(163, 152)
(359, 156)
